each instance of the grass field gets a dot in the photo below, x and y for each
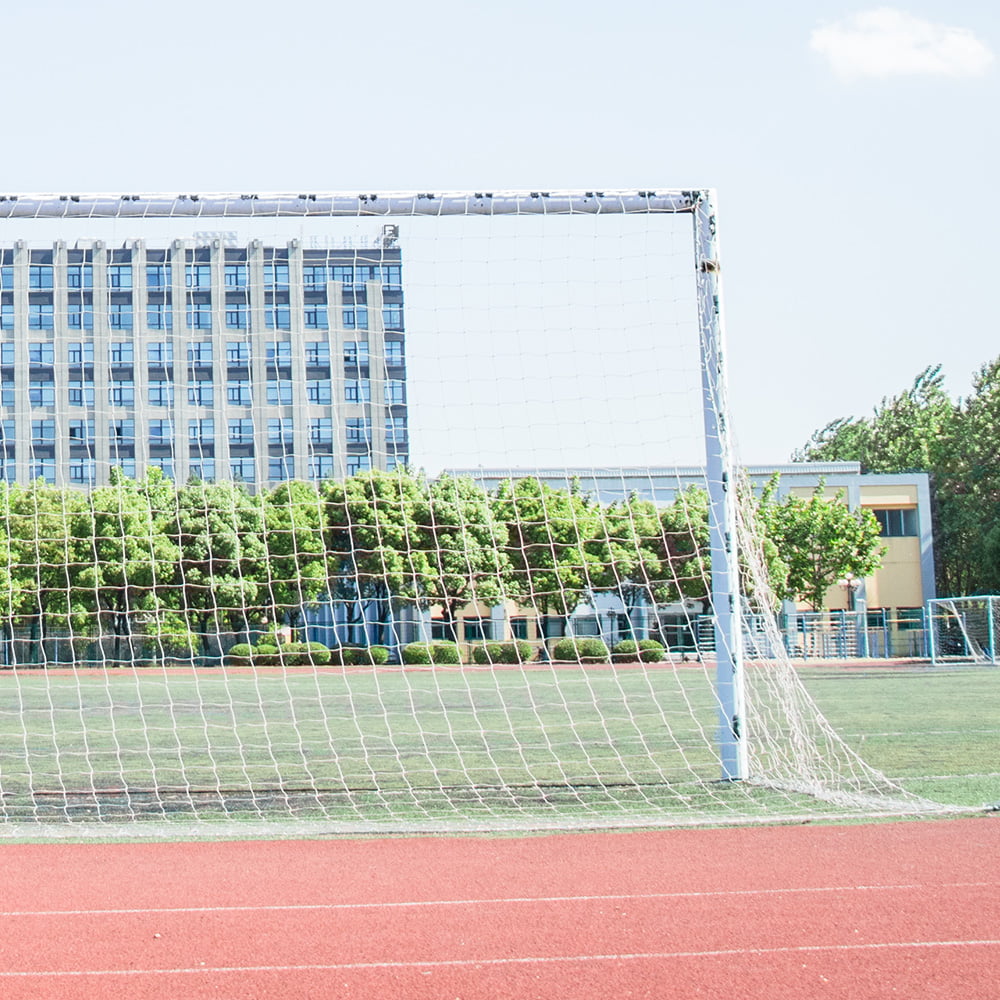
(524, 746)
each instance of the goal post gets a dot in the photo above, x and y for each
(964, 629)
(385, 511)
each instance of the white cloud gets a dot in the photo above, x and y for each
(887, 42)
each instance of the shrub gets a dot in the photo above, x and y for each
(264, 655)
(650, 651)
(318, 653)
(239, 655)
(432, 652)
(581, 650)
(355, 656)
(626, 651)
(503, 652)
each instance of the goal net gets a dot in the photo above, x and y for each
(384, 512)
(964, 629)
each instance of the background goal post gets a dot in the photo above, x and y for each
(385, 511)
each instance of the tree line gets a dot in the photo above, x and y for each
(956, 441)
(184, 564)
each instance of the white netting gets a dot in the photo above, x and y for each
(315, 517)
(964, 629)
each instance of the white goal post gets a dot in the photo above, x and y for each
(964, 629)
(275, 554)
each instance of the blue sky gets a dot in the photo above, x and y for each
(853, 147)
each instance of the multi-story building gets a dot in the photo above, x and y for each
(201, 357)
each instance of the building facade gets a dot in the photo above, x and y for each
(203, 358)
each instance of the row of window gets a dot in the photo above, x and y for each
(201, 392)
(278, 353)
(83, 471)
(199, 316)
(159, 276)
(201, 431)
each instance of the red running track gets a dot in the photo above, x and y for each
(885, 910)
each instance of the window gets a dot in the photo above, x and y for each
(344, 273)
(394, 391)
(158, 276)
(241, 431)
(897, 522)
(198, 276)
(356, 318)
(394, 354)
(314, 277)
(392, 317)
(121, 392)
(242, 469)
(321, 431)
(43, 432)
(357, 390)
(40, 316)
(82, 471)
(237, 316)
(40, 276)
(201, 392)
(44, 469)
(236, 276)
(392, 276)
(365, 272)
(238, 392)
(40, 354)
(6, 315)
(199, 315)
(161, 433)
(203, 469)
(200, 352)
(359, 430)
(319, 391)
(120, 276)
(356, 353)
(358, 463)
(280, 468)
(80, 392)
(81, 432)
(316, 317)
(121, 352)
(279, 391)
(42, 393)
(160, 352)
(279, 430)
(164, 464)
(120, 315)
(476, 629)
(127, 465)
(395, 430)
(278, 316)
(317, 353)
(201, 431)
(80, 276)
(237, 352)
(161, 392)
(519, 628)
(320, 467)
(7, 277)
(7, 391)
(278, 353)
(159, 316)
(80, 354)
(6, 353)
(275, 277)
(121, 433)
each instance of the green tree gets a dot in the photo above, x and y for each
(297, 570)
(550, 536)
(378, 548)
(820, 540)
(466, 546)
(220, 577)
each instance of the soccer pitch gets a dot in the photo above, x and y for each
(555, 743)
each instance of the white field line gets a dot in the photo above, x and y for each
(492, 901)
(517, 960)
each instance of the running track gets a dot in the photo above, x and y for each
(887, 910)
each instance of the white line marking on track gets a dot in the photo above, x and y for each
(490, 901)
(517, 960)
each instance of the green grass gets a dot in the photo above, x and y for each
(530, 747)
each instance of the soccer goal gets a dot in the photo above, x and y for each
(964, 629)
(384, 512)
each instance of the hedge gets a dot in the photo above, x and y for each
(502, 652)
(645, 650)
(432, 652)
(581, 650)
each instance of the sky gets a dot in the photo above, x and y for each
(852, 147)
